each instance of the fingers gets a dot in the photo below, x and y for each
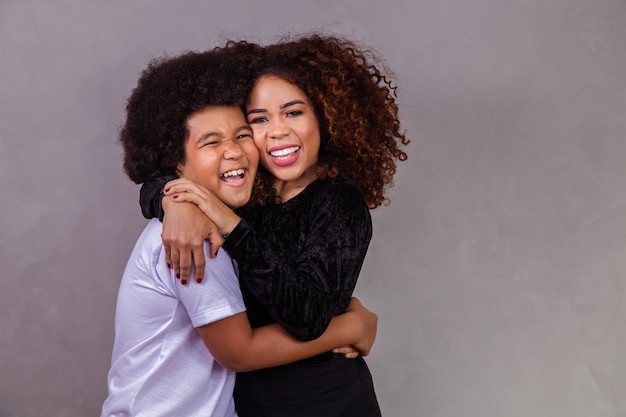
(168, 254)
(189, 197)
(184, 264)
(184, 230)
(179, 257)
(182, 261)
(183, 186)
(348, 352)
(345, 350)
(175, 261)
(215, 242)
(199, 264)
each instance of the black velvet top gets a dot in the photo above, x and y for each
(298, 261)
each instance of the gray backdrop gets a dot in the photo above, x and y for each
(497, 271)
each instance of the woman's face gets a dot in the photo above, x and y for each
(286, 132)
(220, 154)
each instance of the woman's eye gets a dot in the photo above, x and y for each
(244, 136)
(294, 113)
(259, 119)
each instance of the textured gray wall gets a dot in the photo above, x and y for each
(497, 271)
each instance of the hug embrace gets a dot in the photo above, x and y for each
(277, 154)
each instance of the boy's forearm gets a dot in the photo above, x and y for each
(272, 345)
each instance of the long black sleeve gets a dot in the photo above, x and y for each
(301, 259)
(150, 197)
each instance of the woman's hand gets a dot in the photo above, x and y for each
(184, 190)
(368, 322)
(185, 228)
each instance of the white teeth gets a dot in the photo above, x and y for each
(233, 173)
(285, 151)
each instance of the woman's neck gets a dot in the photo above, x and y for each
(287, 190)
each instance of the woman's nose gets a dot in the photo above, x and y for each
(278, 128)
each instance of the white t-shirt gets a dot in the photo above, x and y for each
(160, 365)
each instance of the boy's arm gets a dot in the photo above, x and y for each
(236, 346)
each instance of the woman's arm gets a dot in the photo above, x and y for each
(150, 197)
(239, 348)
(185, 229)
(185, 226)
(187, 191)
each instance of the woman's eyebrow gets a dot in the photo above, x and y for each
(282, 106)
(291, 103)
(249, 112)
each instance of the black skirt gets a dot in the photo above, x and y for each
(338, 387)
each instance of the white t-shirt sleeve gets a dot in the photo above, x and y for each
(217, 297)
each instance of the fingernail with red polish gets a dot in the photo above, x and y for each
(175, 197)
(199, 280)
(166, 190)
(178, 276)
(184, 282)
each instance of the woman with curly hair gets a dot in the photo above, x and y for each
(176, 348)
(325, 121)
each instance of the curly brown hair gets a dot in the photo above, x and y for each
(355, 102)
(169, 90)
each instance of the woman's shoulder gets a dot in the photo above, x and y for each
(340, 191)
(341, 184)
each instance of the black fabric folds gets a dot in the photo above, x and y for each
(150, 197)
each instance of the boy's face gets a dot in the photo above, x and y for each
(220, 154)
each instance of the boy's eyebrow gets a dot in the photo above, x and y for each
(244, 127)
(209, 134)
(206, 136)
(282, 106)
